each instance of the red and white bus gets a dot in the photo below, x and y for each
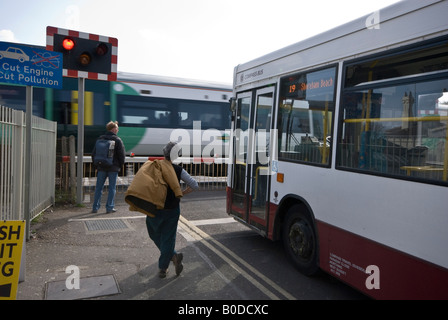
(339, 148)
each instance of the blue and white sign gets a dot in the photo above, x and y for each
(30, 66)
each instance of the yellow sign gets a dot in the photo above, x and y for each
(11, 242)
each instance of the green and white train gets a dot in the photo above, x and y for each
(151, 110)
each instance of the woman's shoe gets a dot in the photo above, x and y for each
(177, 261)
(162, 273)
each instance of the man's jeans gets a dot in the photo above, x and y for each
(100, 180)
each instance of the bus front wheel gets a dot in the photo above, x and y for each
(300, 241)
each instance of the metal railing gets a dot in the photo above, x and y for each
(12, 154)
(210, 173)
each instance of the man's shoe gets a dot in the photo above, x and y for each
(94, 211)
(111, 211)
(177, 261)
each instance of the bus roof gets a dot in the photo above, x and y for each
(400, 23)
(171, 81)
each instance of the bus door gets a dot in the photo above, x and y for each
(240, 147)
(251, 157)
(259, 159)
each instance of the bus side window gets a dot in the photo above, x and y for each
(396, 130)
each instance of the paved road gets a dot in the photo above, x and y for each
(223, 259)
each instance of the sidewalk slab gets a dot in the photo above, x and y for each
(90, 287)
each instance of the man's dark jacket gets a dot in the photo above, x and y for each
(119, 153)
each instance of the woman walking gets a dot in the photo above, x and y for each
(162, 227)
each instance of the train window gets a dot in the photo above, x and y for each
(62, 112)
(173, 113)
(140, 111)
(14, 97)
(209, 114)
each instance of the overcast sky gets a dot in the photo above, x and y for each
(197, 39)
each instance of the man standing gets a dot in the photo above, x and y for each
(109, 171)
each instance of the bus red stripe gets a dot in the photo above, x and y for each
(401, 276)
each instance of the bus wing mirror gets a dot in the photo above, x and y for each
(232, 102)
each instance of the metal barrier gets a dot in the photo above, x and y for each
(210, 173)
(11, 163)
(12, 153)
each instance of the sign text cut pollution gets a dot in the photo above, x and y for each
(30, 66)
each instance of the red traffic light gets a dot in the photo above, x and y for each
(68, 44)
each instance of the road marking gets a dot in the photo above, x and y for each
(196, 233)
(212, 266)
(211, 221)
(202, 222)
(182, 229)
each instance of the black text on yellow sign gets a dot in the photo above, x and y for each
(11, 242)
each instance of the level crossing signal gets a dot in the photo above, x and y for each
(84, 54)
